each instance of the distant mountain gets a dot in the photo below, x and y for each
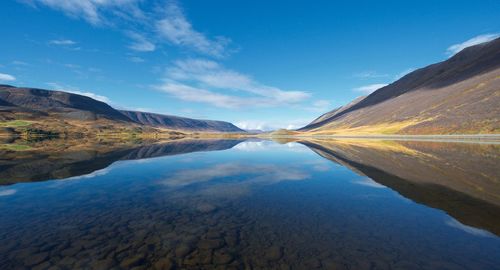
(179, 123)
(255, 131)
(458, 95)
(34, 104)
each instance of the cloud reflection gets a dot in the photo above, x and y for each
(468, 229)
(7, 192)
(366, 181)
(259, 173)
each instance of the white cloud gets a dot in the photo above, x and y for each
(176, 29)
(210, 74)
(7, 77)
(193, 94)
(370, 74)
(140, 43)
(62, 42)
(368, 89)
(453, 49)
(69, 89)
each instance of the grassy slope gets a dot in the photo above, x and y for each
(470, 107)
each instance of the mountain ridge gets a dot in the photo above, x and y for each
(179, 122)
(35, 103)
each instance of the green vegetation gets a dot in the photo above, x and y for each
(14, 147)
(15, 123)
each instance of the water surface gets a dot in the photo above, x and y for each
(234, 204)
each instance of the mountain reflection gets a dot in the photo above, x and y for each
(461, 179)
(260, 205)
(60, 159)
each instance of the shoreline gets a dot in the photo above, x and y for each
(466, 138)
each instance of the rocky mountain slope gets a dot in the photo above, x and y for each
(457, 96)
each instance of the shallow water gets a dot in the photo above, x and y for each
(234, 204)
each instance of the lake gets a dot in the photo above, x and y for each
(250, 204)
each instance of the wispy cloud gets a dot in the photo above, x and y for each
(19, 63)
(90, 10)
(159, 25)
(74, 90)
(368, 89)
(453, 49)
(62, 42)
(176, 29)
(140, 43)
(136, 59)
(369, 75)
(7, 77)
(209, 74)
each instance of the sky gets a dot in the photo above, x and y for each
(258, 64)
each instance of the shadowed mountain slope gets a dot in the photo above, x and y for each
(179, 123)
(459, 95)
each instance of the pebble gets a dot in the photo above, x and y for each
(183, 250)
(36, 258)
(274, 253)
(222, 258)
(133, 261)
(210, 243)
(164, 264)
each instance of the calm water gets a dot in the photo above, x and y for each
(233, 204)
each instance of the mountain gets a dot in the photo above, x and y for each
(62, 109)
(179, 123)
(457, 96)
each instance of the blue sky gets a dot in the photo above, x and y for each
(258, 64)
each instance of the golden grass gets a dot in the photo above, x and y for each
(381, 145)
(377, 129)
